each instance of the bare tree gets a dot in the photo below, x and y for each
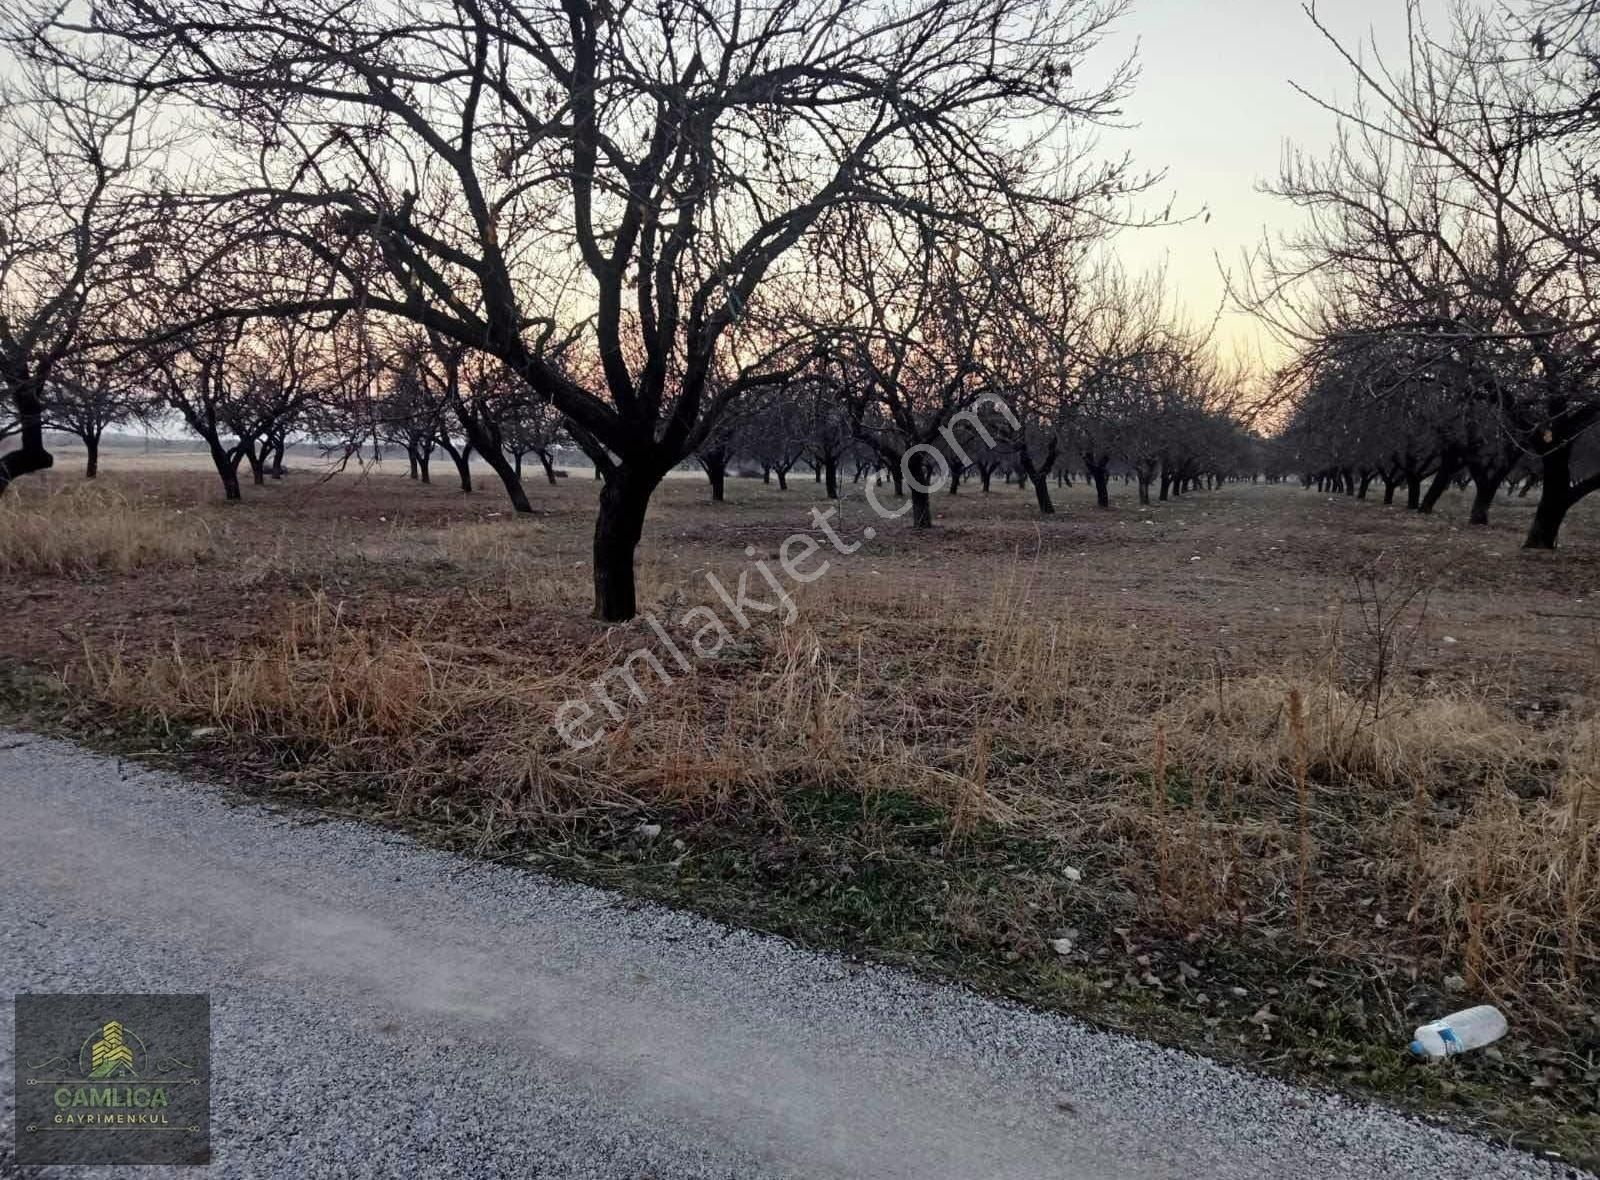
(534, 428)
(86, 395)
(621, 179)
(1455, 214)
(73, 237)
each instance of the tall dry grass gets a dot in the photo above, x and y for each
(1416, 823)
(78, 529)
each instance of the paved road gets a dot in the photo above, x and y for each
(533, 1028)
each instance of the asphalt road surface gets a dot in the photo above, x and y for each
(380, 1009)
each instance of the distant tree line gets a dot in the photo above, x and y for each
(1444, 290)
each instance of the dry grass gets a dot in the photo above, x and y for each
(80, 529)
(954, 719)
(1424, 823)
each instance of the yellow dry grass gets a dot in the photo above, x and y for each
(1476, 830)
(80, 529)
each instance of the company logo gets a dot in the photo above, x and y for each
(137, 1079)
(112, 1055)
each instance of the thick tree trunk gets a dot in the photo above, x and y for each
(830, 477)
(422, 468)
(548, 462)
(227, 466)
(1555, 498)
(985, 474)
(1144, 489)
(921, 510)
(411, 458)
(716, 465)
(91, 448)
(1102, 495)
(1041, 492)
(783, 479)
(920, 479)
(1413, 490)
(1448, 468)
(1485, 485)
(624, 499)
(258, 469)
(30, 455)
(955, 480)
(463, 462)
(277, 458)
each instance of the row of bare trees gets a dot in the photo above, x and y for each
(1444, 289)
(642, 216)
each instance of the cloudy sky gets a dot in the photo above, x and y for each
(1215, 108)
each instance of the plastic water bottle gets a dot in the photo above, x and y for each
(1471, 1028)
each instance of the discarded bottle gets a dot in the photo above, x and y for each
(1471, 1028)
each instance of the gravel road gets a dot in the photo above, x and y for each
(533, 1028)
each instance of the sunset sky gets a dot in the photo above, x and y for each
(1215, 108)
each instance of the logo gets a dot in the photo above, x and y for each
(112, 1055)
(113, 1079)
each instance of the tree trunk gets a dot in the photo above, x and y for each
(716, 465)
(783, 479)
(921, 510)
(1166, 485)
(1448, 468)
(1041, 492)
(227, 469)
(277, 458)
(548, 462)
(258, 469)
(91, 447)
(422, 467)
(1555, 498)
(1102, 496)
(921, 501)
(1486, 485)
(1389, 485)
(624, 499)
(411, 458)
(30, 455)
(985, 474)
(1413, 490)
(511, 477)
(1144, 490)
(830, 477)
(463, 462)
(955, 480)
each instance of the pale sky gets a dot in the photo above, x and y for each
(1215, 108)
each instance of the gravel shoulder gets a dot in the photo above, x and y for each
(533, 1027)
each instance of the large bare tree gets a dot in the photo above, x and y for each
(616, 177)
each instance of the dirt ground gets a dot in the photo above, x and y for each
(1245, 574)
